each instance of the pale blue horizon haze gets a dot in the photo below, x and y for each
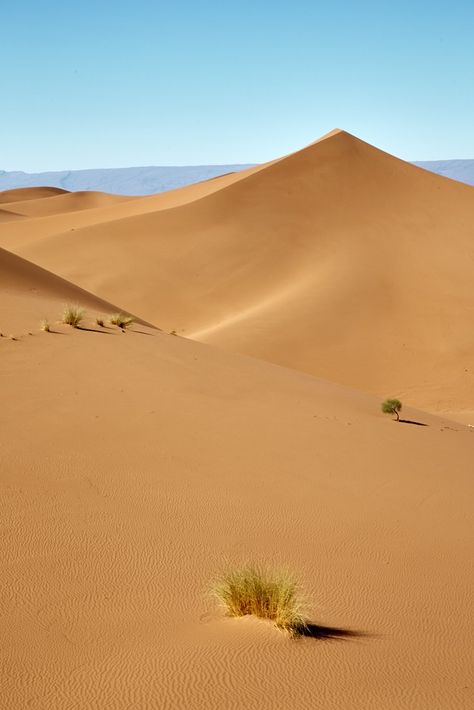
(102, 84)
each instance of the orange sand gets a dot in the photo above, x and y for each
(135, 465)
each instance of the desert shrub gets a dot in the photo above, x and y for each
(73, 315)
(121, 320)
(45, 325)
(392, 406)
(262, 593)
(100, 321)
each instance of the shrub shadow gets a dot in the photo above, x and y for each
(316, 631)
(410, 421)
(92, 330)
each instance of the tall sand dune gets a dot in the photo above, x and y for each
(339, 260)
(135, 467)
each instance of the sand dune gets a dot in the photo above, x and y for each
(58, 222)
(147, 461)
(9, 216)
(30, 193)
(338, 260)
(63, 203)
(30, 294)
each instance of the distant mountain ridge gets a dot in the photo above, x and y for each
(153, 179)
(118, 181)
(461, 170)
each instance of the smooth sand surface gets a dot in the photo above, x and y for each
(137, 465)
(30, 294)
(338, 260)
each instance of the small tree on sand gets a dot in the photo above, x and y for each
(392, 406)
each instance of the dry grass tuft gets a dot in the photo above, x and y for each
(121, 320)
(45, 325)
(100, 321)
(73, 315)
(263, 593)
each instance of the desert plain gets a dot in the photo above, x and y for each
(238, 419)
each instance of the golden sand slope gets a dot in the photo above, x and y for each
(338, 260)
(30, 294)
(134, 465)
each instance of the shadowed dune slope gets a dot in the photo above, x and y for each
(30, 293)
(9, 216)
(63, 203)
(134, 465)
(22, 194)
(339, 260)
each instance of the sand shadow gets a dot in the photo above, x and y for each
(316, 631)
(410, 421)
(92, 330)
(142, 332)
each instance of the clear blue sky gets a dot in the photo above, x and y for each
(109, 84)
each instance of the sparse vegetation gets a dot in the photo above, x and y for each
(73, 315)
(45, 325)
(263, 593)
(392, 406)
(100, 321)
(121, 320)
(173, 332)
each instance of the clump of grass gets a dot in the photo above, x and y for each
(121, 320)
(173, 332)
(73, 315)
(100, 321)
(263, 593)
(45, 325)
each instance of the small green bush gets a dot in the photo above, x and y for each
(392, 406)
